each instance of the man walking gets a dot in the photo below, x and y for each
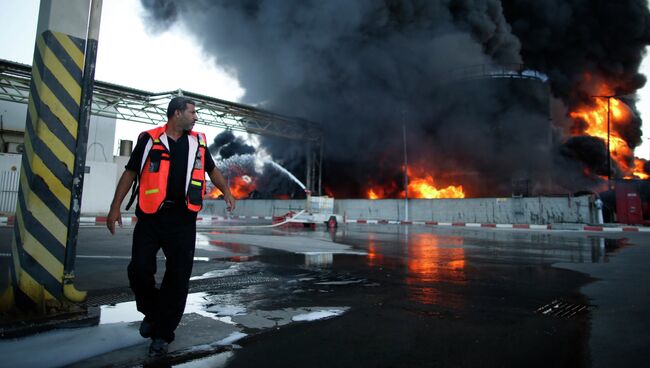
(170, 163)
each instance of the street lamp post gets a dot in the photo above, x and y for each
(406, 177)
(609, 155)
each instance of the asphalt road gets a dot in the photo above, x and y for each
(411, 296)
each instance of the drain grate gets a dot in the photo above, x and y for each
(109, 299)
(562, 309)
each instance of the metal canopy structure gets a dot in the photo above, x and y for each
(124, 103)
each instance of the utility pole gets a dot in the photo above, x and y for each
(609, 155)
(406, 174)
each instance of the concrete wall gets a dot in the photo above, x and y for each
(254, 207)
(535, 210)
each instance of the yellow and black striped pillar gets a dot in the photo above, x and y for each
(51, 178)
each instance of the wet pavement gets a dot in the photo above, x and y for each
(375, 296)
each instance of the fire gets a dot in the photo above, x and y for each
(639, 170)
(424, 188)
(328, 192)
(377, 193)
(595, 118)
(421, 185)
(372, 194)
(240, 187)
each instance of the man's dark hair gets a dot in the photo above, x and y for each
(178, 103)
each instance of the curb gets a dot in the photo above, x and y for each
(22, 327)
(207, 220)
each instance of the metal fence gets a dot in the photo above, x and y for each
(9, 190)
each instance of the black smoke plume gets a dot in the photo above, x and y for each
(368, 70)
(580, 45)
(226, 145)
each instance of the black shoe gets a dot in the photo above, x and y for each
(158, 348)
(145, 328)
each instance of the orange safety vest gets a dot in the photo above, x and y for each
(154, 171)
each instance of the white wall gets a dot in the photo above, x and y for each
(10, 162)
(99, 186)
(101, 130)
(101, 139)
(120, 162)
(13, 115)
(99, 183)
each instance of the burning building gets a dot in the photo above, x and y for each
(376, 75)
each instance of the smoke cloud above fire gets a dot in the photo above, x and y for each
(368, 70)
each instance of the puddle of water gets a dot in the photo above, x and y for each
(121, 312)
(196, 303)
(316, 315)
(230, 271)
(319, 259)
(233, 337)
(203, 242)
(339, 282)
(214, 361)
(226, 310)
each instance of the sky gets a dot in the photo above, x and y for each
(131, 55)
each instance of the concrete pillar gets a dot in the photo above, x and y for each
(53, 162)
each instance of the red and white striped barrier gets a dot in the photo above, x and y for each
(207, 220)
(500, 226)
(96, 220)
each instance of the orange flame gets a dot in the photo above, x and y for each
(639, 170)
(372, 194)
(595, 117)
(424, 188)
(421, 185)
(240, 187)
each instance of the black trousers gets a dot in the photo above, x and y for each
(175, 233)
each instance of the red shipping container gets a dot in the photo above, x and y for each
(628, 203)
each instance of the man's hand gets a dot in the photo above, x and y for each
(113, 216)
(230, 202)
(220, 182)
(123, 186)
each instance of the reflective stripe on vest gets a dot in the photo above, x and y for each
(155, 171)
(195, 190)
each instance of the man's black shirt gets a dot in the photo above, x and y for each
(176, 181)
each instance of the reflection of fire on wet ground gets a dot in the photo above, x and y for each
(431, 259)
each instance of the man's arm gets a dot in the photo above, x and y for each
(220, 182)
(123, 186)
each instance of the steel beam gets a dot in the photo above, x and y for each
(124, 103)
